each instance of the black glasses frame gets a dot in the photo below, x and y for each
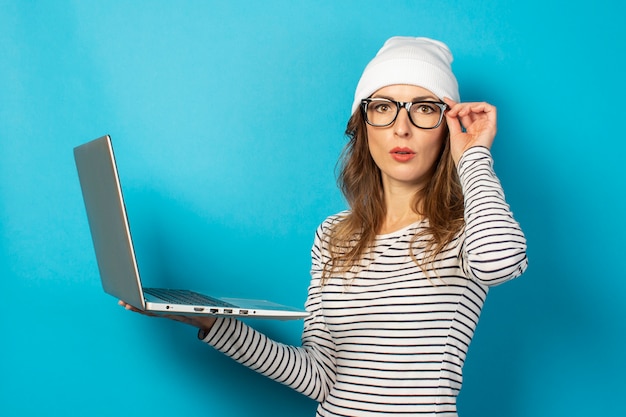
(401, 104)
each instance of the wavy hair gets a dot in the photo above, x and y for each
(360, 181)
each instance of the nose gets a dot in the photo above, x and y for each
(402, 125)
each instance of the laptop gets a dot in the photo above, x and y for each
(115, 254)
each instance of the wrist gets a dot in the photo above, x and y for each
(203, 332)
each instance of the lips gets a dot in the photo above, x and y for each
(402, 154)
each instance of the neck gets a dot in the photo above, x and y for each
(399, 209)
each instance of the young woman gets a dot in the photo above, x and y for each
(399, 279)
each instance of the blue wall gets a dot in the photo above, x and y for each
(228, 118)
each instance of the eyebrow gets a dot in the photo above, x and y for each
(420, 98)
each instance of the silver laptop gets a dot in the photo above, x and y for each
(110, 232)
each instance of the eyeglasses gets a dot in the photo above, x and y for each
(381, 112)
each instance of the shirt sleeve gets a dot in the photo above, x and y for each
(310, 368)
(494, 246)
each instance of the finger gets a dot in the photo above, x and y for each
(478, 109)
(464, 109)
(449, 101)
(132, 308)
(454, 126)
(451, 106)
(459, 109)
(467, 120)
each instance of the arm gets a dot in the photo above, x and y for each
(494, 246)
(309, 369)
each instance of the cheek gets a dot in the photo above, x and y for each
(434, 143)
(374, 145)
(440, 144)
(433, 150)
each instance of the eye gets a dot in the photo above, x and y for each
(425, 108)
(380, 106)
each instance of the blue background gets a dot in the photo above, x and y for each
(228, 119)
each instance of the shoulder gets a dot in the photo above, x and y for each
(325, 229)
(330, 221)
(322, 237)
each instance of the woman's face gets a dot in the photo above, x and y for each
(405, 154)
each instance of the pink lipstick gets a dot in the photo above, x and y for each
(402, 154)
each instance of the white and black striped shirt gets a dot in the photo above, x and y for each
(392, 340)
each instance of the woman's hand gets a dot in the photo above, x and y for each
(479, 122)
(201, 322)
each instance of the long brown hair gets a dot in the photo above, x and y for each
(440, 202)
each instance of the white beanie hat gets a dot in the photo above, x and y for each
(422, 62)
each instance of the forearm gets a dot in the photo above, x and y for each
(495, 246)
(296, 367)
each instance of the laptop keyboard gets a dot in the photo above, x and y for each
(185, 297)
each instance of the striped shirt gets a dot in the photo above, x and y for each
(392, 340)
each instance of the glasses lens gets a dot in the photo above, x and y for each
(381, 112)
(426, 115)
